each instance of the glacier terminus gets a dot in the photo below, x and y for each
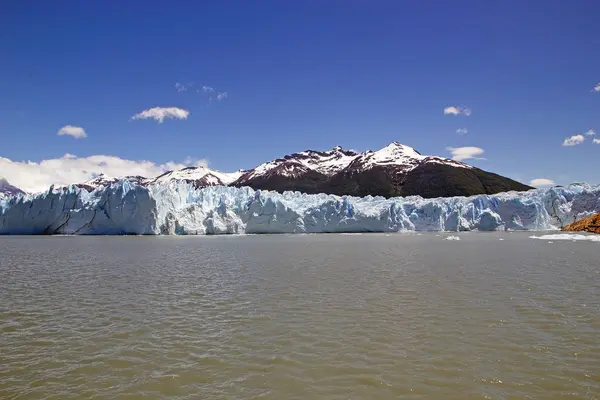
(180, 208)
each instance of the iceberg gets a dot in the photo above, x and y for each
(178, 208)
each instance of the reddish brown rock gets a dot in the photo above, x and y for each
(589, 224)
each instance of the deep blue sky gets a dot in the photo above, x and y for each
(305, 74)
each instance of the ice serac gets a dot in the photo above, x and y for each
(119, 209)
(181, 208)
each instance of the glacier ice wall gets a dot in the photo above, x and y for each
(121, 209)
(179, 208)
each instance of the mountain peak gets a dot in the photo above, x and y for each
(7, 189)
(399, 147)
(201, 176)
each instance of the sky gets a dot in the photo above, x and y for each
(512, 87)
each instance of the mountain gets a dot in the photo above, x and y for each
(6, 189)
(395, 170)
(306, 171)
(102, 180)
(198, 176)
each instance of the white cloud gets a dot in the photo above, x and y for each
(180, 87)
(221, 96)
(74, 131)
(207, 89)
(573, 140)
(455, 110)
(462, 131)
(541, 182)
(597, 87)
(161, 113)
(38, 176)
(596, 141)
(466, 153)
(590, 133)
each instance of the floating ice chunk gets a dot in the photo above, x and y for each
(569, 236)
(452, 238)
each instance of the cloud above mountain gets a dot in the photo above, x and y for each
(38, 176)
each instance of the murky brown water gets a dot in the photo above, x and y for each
(299, 317)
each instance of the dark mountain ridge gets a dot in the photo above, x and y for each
(395, 170)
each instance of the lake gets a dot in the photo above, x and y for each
(373, 316)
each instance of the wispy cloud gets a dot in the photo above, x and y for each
(180, 87)
(462, 131)
(38, 176)
(74, 131)
(596, 88)
(213, 94)
(456, 110)
(573, 140)
(590, 133)
(538, 182)
(466, 153)
(161, 113)
(596, 141)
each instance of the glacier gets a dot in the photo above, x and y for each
(177, 208)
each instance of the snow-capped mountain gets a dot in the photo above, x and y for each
(103, 180)
(199, 176)
(297, 164)
(395, 170)
(337, 159)
(6, 189)
(399, 155)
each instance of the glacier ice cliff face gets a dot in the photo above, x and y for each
(123, 208)
(179, 208)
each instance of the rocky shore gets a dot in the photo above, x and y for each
(589, 224)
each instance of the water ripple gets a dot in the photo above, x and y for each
(299, 317)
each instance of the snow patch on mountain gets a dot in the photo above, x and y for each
(296, 164)
(401, 155)
(326, 162)
(6, 189)
(208, 176)
(337, 159)
(103, 180)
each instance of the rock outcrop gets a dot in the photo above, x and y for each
(589, 224)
